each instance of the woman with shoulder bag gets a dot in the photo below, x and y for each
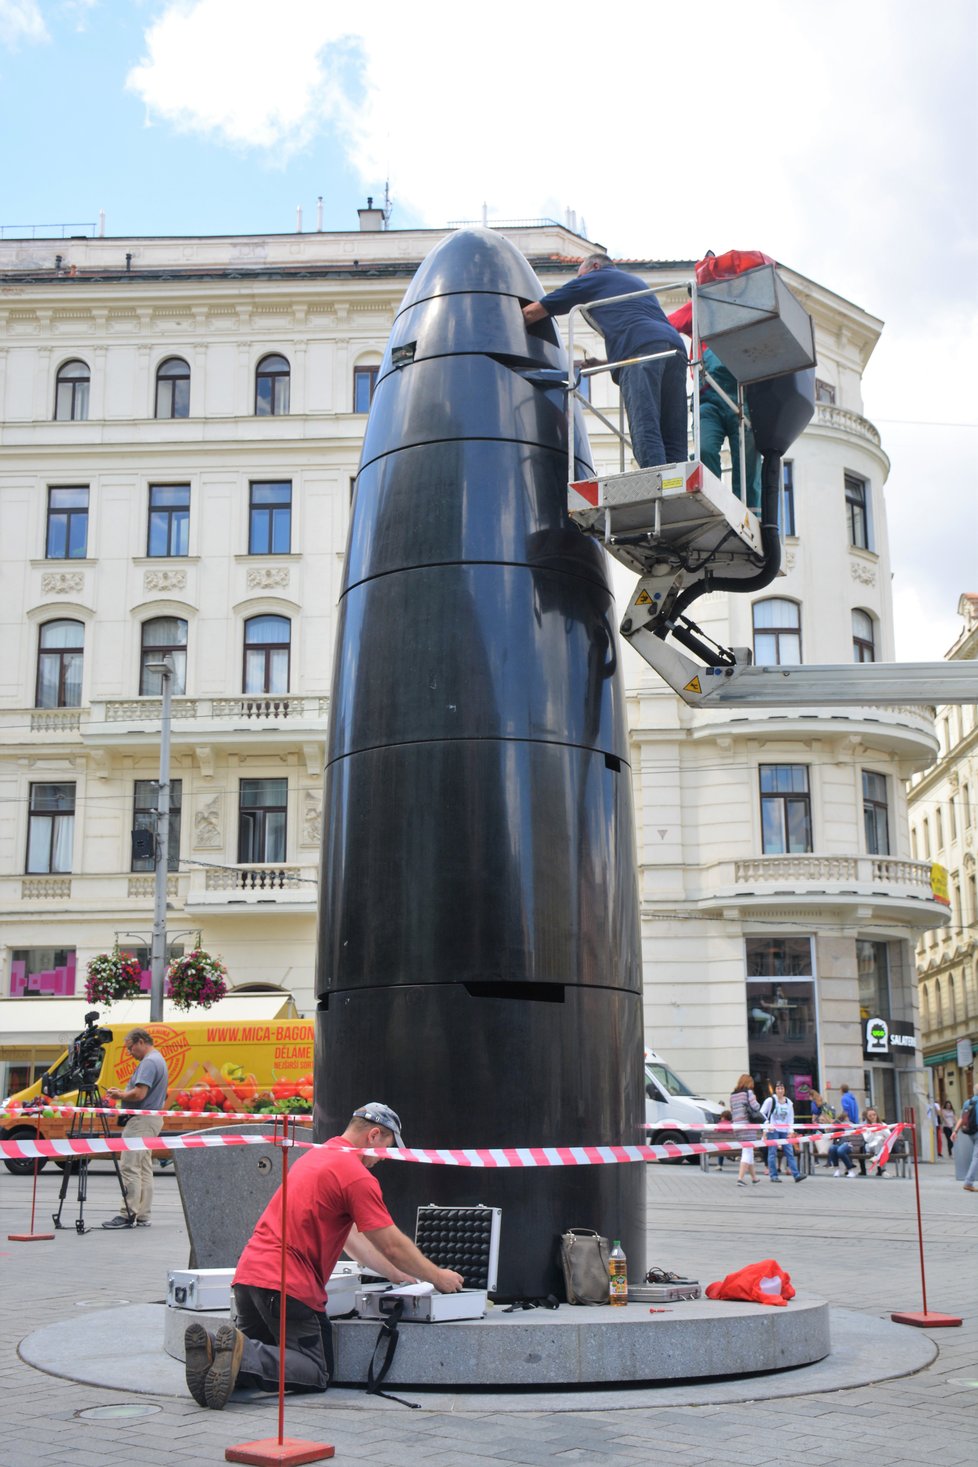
(745, 1111)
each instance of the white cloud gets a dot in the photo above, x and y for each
(21, 21)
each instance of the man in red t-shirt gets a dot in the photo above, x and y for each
(334, 1204)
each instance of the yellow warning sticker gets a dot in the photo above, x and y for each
(693, 686)
(643, 599)
(673, 483)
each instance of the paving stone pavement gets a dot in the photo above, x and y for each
(852, 1242)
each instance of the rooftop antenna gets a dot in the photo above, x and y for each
(298, 218)
(485, 215)
(388, 205)
(101, 223)
(319, 214)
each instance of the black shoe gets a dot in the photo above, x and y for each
(799, 1178)
(220, 1379)
(198, 1353)
(118, 1222)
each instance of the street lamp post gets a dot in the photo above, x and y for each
(161, 862)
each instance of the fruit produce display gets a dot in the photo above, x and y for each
(231, 1091)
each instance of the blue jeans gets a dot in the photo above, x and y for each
(654, 394)
(718, 422)
(840, 1154)
(777, 1137)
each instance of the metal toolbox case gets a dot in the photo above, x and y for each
(422, 1308)
(465, 1239)
(341, 1290)
(199, 1288)
(664, 1293)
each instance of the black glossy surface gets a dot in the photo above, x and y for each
(497, 1071)
(478, 825)
(441, 502)
(479, 650)
(484, 860)
(471, 396)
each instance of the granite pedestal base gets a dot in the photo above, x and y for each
(696, 1340)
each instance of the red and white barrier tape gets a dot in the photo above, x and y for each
(489, 1157)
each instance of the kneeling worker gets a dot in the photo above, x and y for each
(334, 1204)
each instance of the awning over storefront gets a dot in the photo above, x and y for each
(29, 1022)
(942, 1058)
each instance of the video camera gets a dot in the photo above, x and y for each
(83, 1063)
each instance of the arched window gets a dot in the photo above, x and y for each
(173, 389)
(952, 1016)
(266, 654)
(863, 637)
(272, 387)
(71, 392)
(60, 651)
(163, 636)
(777, 632)
(924, 1007)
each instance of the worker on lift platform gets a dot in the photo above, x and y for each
(654, 392)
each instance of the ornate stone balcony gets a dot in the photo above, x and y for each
(827, 415)
(868, 887)
(262, 888)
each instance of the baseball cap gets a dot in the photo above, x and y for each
(381, 1115)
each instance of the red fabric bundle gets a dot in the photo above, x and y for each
(734, 262)
(745, 1284)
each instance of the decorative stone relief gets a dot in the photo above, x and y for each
(265, 577)
(163, 581)
(789, 560)
(865, 574)
(312, 817)
(62, 583)
(207, 825)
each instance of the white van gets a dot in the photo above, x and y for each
(672, 1110)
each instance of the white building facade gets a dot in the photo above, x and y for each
(180, 422)
(943, 804)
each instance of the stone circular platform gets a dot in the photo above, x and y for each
(694, 1340)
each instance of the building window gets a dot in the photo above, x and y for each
(777, 632)
(47, 971)
(272, 387)
(875, 817)
(786, 811)
(857, 512)
(163, 636)
(61, 648)
(71, 393)
(939, 828)
(169, 520)
(145, 801)
(261, 820)
(67, 536)
(270, 519)
(824, 391)
(584, 383)
(863, 637)
(781, 1028)
(266, 654)
(787, 505)
(873, 967)
(952, 816)
(364, 386)
(173, 389)
(51, 828)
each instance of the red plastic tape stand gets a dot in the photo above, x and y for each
(922, 1318)
(270, 1450)
(32, 1237)
(277, 1449)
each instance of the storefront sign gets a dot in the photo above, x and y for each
(966, 1053)
(938, 885)
(884, 1037)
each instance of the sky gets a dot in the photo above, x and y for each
(838, 136)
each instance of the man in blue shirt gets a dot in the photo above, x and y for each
(654, 392)
(849, 1104)
(146, 1091)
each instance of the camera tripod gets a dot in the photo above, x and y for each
(85, 1127)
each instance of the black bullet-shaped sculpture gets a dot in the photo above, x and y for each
(479, 963)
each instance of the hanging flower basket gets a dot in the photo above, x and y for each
(113, 977)
(197, 980)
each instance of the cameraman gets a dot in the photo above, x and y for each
(147, 1091)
